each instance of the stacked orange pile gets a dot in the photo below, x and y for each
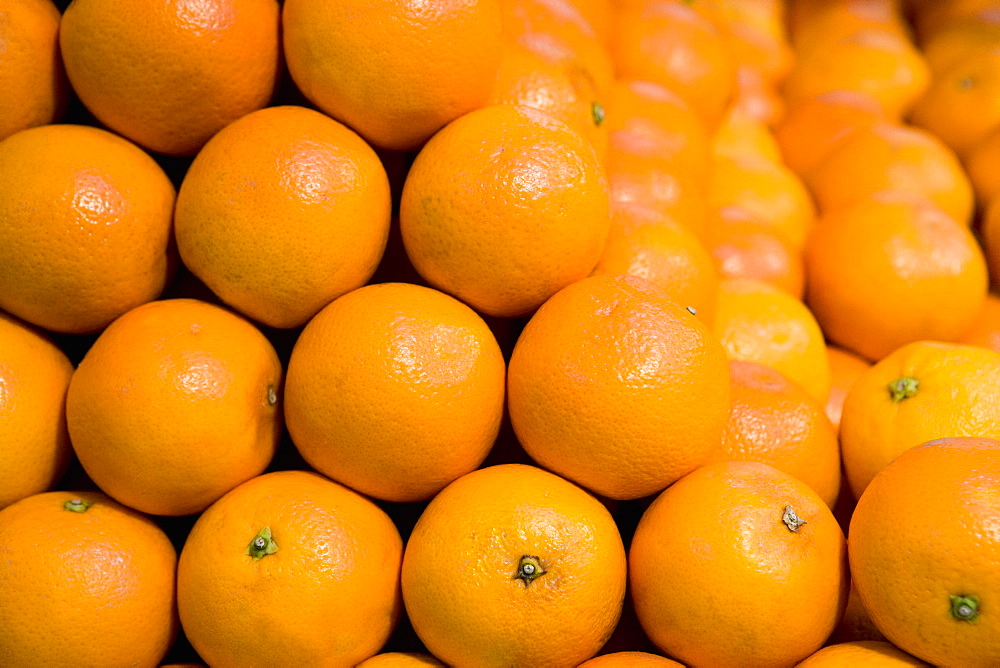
(499, 332)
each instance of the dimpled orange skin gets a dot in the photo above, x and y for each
(504, 207)
(459, 569)
(400, 660)
(630, 660)
(394, 71)
(174, 405)
(717, 575)
(923, 532)
(34, 375)
(84, 589)
(85, 226)
(915, 274)
(772, 420)
(170, 74)
(329, 595)
(956, 394)
(282, 212)
(395, 390)
(31, 70)
(863, 654)
(618, 388)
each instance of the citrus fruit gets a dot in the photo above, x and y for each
(845, 368)
(400, 660)
(742, 246)
(863, 654)
(985, 330)
(628, 659)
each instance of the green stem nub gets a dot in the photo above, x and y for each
(965, 608)
(77, 505)
(903, 388)
(261, 545)
(597, 113)
(528, 569)
(791, 519)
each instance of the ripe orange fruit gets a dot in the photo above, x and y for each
(312, 227)
(618, 388)
(991, 240)
(395, 390)
(400, 660)
(924, 549)
(717, 557)
(174, 405)
(315, 565)
(816, 23)
(743, 247)
(757, 322)
(84, 582)
(34, 375)
(863, 654)
(985, 330)
(915, 274)
(651, 245)
(845, 368)
(630, 660)
(395, 72)
(670, 43)
(773, 421)
(503, 208)
(922, 391)
(978, 32)
(743, 136)
(756, 35)
(85, 226)
(982, 164)
(931, 17)
(887, 157)
(31, 69)
(536, 571)
(169, 75)
(756, 98)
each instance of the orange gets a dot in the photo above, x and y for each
(961, 37)
(395, 390)
(394, 71)
(670, 43)
(933, 16)
(718, 556)
(845, 368)
(740, 135)
(312, 227)
(536, 571)
(962, 105)
(889, 157)
(400, 660)
(743, 247)
(175, 404)
(924, 549)
(766, 189)
(863, 654)
(630, 660)
(922, 391)
(877, 62)
(617, 387)
(34, 375)
(914, 274)
(773, 421)
(982, 164)
(985, 330)
(756, 98)
(503, 208)
(528, 79)
(815, 23)
(757, 322)
(814, 127)
(84, 582)
(991, 240)
(169, 75)
(314, 567)
(85, 227)
(756, 34)
(645, 243)
(31, 69)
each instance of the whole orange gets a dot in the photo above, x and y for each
(630, 660)
(84, 581)
(34, 375)
(773, 421)
(395, 71)
(717, 557)
(290, 569)
(168, 74)
(915, 273)
(31, 69)
(395, 390)
(85, 227)
(924, 549)
(504, 207)
(742, 246)
(175, 404)
(617, 387)
(863, 654)
(921, 391)
(282, 212)
(536, 571)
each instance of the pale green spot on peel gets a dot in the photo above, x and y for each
(77, 505)
(261, 545)
(597, 113)
(965, 608)
(903, 388)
